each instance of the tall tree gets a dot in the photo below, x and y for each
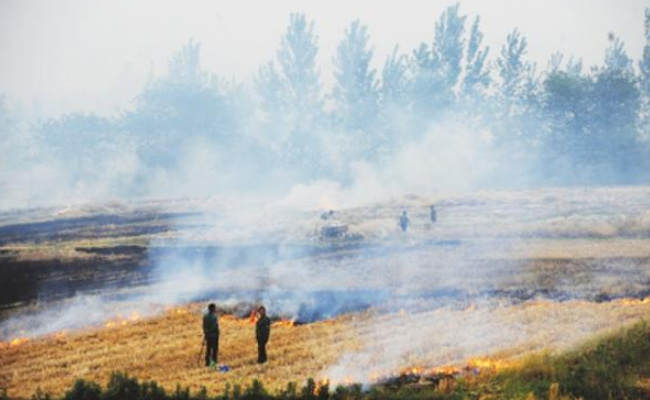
(437, 69)
(614, 143)
(356, 86)
(644, 68)
(477, 72)
(394, 80)
(512, 68)
(291, 94)
(185, 104)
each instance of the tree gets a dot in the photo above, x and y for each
(614, 143)
(568, 107)
(184, 105)
(79, 142)
(394, 80)
(437, 70)
(477, 72)
(395, 103)
(644, 68)
(290, 97)
(356, 86)
(512, 69)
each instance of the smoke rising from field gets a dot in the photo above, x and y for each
(261, 170)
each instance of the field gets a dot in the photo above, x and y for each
(500, 276)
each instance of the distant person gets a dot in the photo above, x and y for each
(434, 217)
(211, 335)
(404, 221)
(262, 333)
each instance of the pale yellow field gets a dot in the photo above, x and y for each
(360, 347)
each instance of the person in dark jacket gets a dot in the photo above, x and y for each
(262, 333)
(434, 215)
(211, 335)
(404, 221)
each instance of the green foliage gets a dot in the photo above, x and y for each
(84, 390)
(290, 392)
(151, 391)
(122, 387)
(39, 395)
(236, 392)
(203, 394)
(181, 393)
(255, 391)
(609, 368)
(308, 391)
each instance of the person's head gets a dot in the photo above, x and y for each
(261, 311)
(212, 308)
(404, 212)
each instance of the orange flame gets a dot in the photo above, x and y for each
(321, 385)
(18, 341)
(286, 322)
(631, 302)
(486, 363)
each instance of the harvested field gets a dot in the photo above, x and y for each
(351, 348)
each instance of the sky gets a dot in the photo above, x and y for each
(94, 56)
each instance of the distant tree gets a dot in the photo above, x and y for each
(394, 80)
(185, 104)
(568, 107)
(513, 70)
(477, 71)
(79, 142)
(437, 69)
(395, 103)
(515, 110)
(614, 142)
(356, 86)
(290, 97)
(644, 68)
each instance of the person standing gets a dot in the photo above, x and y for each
(211, 335)
(404, 221)
(262, 333)
(434, 216)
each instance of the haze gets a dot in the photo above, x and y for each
(64, 56)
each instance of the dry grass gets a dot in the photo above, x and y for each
(165, 348)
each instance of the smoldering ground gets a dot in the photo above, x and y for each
(494, 252)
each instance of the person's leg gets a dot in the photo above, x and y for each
(262, 355)
(215, 355)
(208, 349)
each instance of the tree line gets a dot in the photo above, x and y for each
(560, 124)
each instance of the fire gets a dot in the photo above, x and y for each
(445, 370)
(122, 320)
(286, 322)
(321, 385)
(177, 310)
(632, 302)
(253, 317)
(489, 364)
(18, 341)
(60, 335)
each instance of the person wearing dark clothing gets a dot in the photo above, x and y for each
(404, 221)
(262, 333)
(211, 335)
(434, 217)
